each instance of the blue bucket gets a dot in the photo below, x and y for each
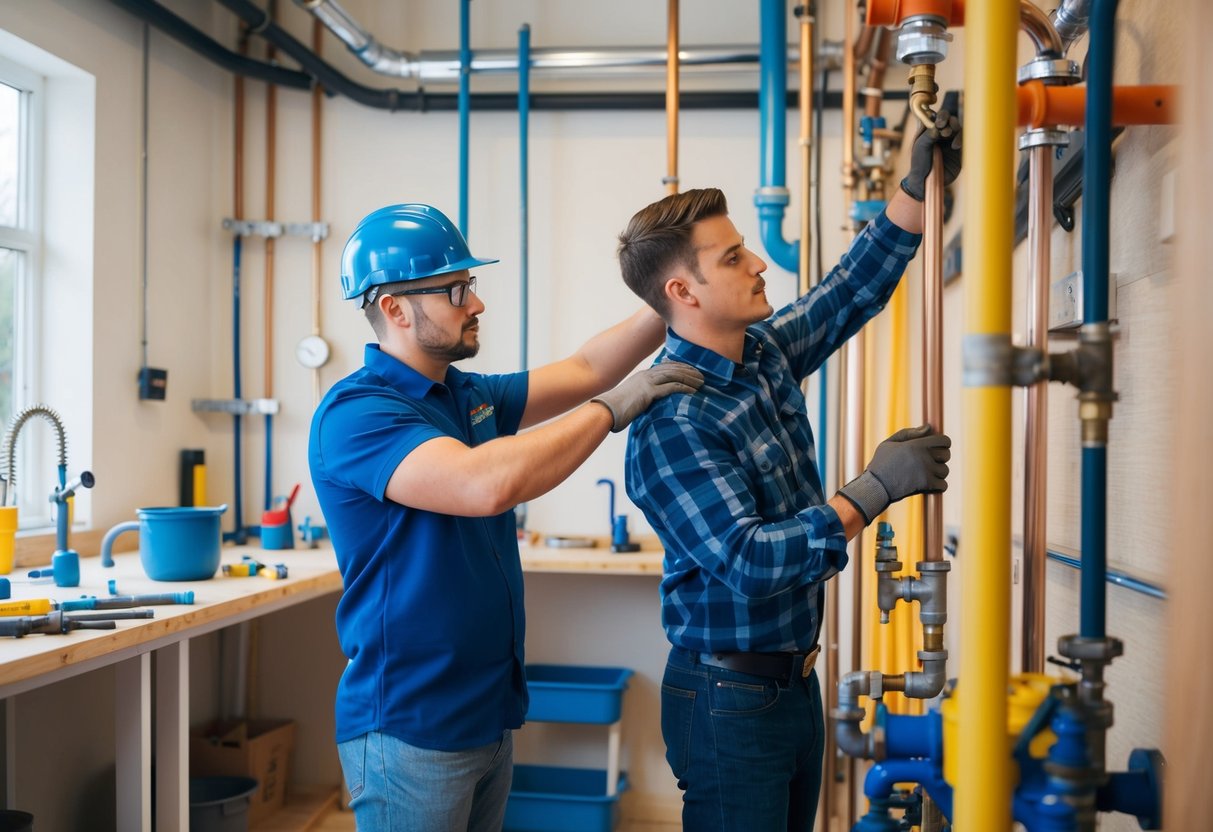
(175, 544)
(220, 804)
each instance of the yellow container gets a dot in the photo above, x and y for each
(1025, 694)
(8, 537)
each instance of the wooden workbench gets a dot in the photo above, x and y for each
(37, 660)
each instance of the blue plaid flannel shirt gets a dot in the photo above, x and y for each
(727, 476)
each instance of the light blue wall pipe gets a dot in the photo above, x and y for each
(524, 118)
(772, 196)
(1097, 160)
(465, 105)
(239, 535)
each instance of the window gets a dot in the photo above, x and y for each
(20, 138)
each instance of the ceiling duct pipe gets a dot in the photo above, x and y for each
(184, 32)
(444, 66)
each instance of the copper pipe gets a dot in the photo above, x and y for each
(874, 91)
(271, 138)
(317, 241)
(1036, 434)
(806, 145)
(863, 43)
(932, 342)
(848, 114)
(854, 361)
(671, 99)
(238, 138)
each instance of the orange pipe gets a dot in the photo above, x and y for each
(1040, 105)
(893, 12)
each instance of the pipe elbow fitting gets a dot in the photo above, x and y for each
(928, 683)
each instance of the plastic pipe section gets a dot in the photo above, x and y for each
(895, 12)
(772, 197)
(524, 208)
(465, 106)
(983, 790)
(1040, 105)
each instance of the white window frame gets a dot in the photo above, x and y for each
(34, 480)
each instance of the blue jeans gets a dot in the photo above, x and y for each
(746, 750)
(397, 787)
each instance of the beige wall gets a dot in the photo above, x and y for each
(589, 172)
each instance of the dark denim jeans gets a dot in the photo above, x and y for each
(746, 750)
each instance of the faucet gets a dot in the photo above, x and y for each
(65, 562)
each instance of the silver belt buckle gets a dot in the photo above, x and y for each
(809, 661)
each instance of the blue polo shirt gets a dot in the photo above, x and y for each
(431, 618)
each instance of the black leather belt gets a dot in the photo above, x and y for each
(782, 666)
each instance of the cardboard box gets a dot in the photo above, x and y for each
(254, 748)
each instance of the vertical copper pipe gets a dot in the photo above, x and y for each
(317, 242)
(855, 437)
(848, 113)
(874, 91)
(806, 146)
(238, 138)
(932, 342)
(271, 139)
(671, 99)
(1040, 221)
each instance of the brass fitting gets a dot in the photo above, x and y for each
(922, 93)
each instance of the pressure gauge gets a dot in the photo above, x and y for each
(312, 351)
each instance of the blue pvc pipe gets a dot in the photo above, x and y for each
(1093, 603)
(773, 92)
(269, 461)
(465, 104)
(772, 107)
(1097, 160)
(1116, 577)
(236, 391)
(61, 513)
(524, 117)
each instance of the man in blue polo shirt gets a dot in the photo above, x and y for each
(727, 479)
(417, 469)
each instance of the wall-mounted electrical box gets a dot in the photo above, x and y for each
(1065, 302)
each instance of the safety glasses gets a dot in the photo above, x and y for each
(457, 293)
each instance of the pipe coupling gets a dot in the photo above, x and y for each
(991, 360)
(923, 39)
(771, 196)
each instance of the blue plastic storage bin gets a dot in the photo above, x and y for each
(555, 799)
(569, 693)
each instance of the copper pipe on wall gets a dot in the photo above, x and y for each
(317, 241)
(671, 99)
(848, 115)
(271, 141)
(1040, 223)
(805, 99)
(874, 91)
(932, 342)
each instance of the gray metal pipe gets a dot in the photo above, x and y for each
(1036, 24)
(443, 66)
(1070, 20)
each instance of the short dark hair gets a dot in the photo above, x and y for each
(373, 314)
(658, 238)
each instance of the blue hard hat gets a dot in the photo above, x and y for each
(402, 242)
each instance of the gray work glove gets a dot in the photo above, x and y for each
(911, 461)
(635, 393)
(947, 135)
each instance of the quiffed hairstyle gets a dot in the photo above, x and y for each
(658, 238)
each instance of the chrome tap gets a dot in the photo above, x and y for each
(65, 563)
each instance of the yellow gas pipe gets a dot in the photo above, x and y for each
(983, 790)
